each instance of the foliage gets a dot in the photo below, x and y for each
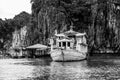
(8, 26)
(48, 15)
(99, 18)
(21, 20)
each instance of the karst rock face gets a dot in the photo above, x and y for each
(98, 18)
(51, 15)
(49, 20)
(18, 41)
(105, 25)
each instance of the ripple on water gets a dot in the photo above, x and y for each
(44, 69)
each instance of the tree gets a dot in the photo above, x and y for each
(8, 26)
(21, 20)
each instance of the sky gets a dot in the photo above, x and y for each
(10, 8)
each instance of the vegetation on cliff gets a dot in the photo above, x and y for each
(8, 26)
(48, 15)
(99, 18)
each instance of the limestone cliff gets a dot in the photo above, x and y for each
(99, 18)
(18, 41)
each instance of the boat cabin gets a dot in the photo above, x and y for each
(69, 40)
(64, 43)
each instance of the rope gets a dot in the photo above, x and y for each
(62, 54)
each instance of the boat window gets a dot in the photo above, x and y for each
(55, 42)
(68, 44)
(64, 44)
(59, 44)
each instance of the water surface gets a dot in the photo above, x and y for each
(46, 69)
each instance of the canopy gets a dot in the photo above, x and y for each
(37, 46)
(80, 34)
(65, 40)
(71, 32)
(60, 35)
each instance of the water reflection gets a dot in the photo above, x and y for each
(45, 69)
(69, 70)
(14, 69)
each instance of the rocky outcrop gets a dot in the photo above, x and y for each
(99, 18)
(18, 42)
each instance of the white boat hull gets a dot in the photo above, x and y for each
(67, 55)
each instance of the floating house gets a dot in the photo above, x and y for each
(37, 50)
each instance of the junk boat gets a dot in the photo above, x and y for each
(68, 46)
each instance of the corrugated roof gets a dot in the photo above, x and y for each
(80, 34)
(60, 35)
(65, 40)
(37, 46)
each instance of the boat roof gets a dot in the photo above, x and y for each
(37, 46)
(64, 40)
(59, 35)
(71, 32)
(80, 34)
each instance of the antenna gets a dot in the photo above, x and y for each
(56, 31)
(71, 27)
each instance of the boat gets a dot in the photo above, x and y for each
(68, 46)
